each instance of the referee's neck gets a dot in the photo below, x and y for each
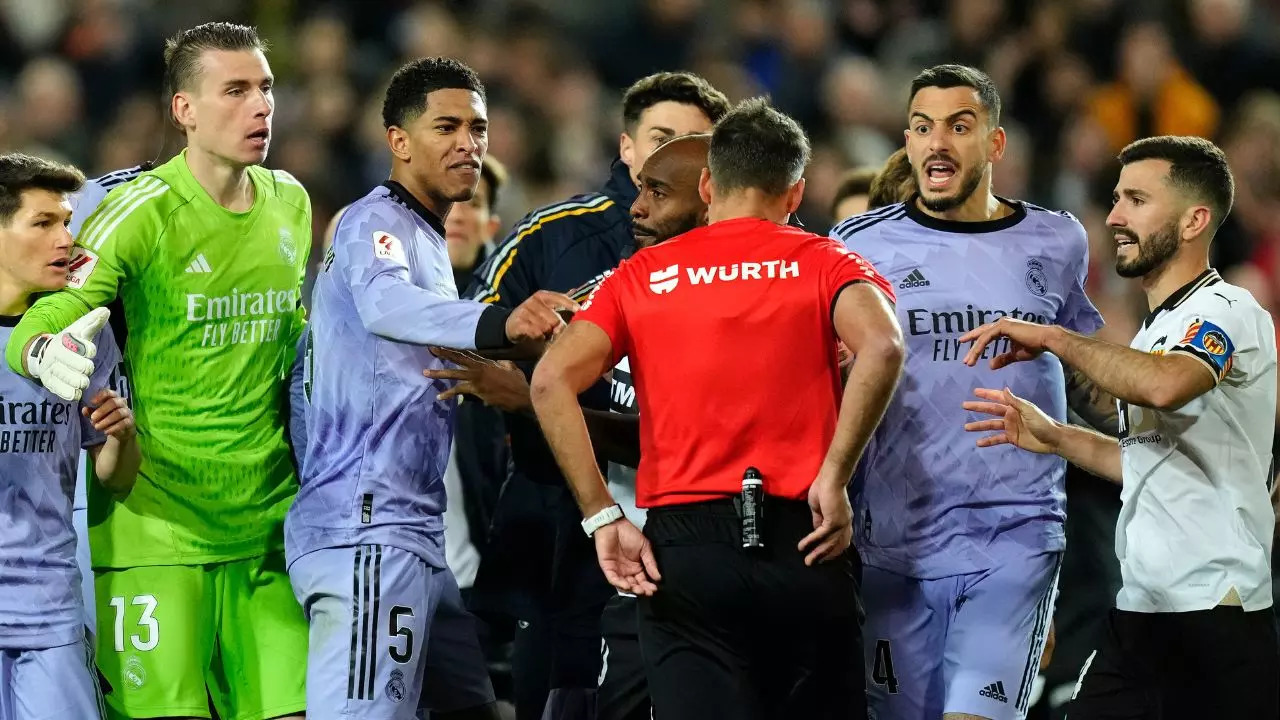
(748, 203)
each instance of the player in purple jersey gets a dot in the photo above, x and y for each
(46, 664)
(961, 549)
(364, 538)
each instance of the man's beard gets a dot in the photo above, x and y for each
(663, 233)
(1153, 251)
(968, 185)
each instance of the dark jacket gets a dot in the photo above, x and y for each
(561, 247)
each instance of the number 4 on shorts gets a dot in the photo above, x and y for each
(147, 621)
(882, 667)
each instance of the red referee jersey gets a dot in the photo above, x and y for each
(732, 350)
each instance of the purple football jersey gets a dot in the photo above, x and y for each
(41, 436)
(928, 502)
(377, 438)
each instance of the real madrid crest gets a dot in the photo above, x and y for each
(395, 686)
(1037, 283)
(134, 673)
(288, 250)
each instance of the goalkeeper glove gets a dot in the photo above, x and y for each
(63, 363)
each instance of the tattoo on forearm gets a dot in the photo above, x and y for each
(1095, 405)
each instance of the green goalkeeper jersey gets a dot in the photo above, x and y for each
(212, 318)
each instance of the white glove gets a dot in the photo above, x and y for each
(63, 363)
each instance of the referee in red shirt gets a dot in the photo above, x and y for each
(731, 334)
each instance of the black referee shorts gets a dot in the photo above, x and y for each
(749, 634)
(1219, 663)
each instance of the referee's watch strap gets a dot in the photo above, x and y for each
(602, 518)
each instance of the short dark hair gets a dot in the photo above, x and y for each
(757, 146)
(950, 76)
(854, 182)
(894, 183)
(1196, 166)
(494, 175)
(19, 172)
(680, 87)
(406, 96)
(182, 50)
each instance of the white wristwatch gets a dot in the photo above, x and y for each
(600, 519)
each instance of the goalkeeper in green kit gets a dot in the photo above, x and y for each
(206, 255)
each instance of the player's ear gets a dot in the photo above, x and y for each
(795, 196)
(627, 150)
(491, 228)
(398, 141)
(181, 112)
(998, 140)
(1196, 221)
(704, 186)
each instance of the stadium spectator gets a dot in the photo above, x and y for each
(1153, 95)
(852, 194)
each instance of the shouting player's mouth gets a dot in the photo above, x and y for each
(1124, 238)
(259, 138)
(938, 173)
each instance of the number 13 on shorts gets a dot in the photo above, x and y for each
(147, 635)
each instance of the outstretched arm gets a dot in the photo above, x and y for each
(1093, 404)
(1163, 382)
(1018, 422)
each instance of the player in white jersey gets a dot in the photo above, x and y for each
(1192, 635)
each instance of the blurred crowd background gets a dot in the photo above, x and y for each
(1079, 79)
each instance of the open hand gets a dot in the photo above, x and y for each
(1026, 341)
(1017, 422)
(832, 521)
(627, 558)
(540, 317)
(495, 382)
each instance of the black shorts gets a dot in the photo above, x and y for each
(1219, 663)
(749, 634)
(624, 690)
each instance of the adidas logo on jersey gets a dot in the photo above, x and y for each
(199, 265)
(995, 691)
(914, 280)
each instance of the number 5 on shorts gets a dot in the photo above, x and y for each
(147, 622)
(403, 654)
